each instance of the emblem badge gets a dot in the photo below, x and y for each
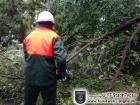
(80, 96)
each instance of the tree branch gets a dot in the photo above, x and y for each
(115, 31)
(123, 58)
(11, 76)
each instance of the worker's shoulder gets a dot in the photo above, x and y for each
(53, 33)
(28, 36)
(31, 34)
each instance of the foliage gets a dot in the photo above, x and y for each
(11, 63)
(77, 22)
(82, 20)
(15, 18)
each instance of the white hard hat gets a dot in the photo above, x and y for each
(45, 16)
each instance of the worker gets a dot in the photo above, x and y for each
(44, 54)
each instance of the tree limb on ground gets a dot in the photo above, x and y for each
(115, 31)
(11, 76)
(123, 58)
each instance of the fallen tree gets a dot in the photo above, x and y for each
(117, 30)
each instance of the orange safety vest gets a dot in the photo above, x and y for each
(38, 42)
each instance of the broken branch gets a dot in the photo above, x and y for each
(115, 31)
(123, 58)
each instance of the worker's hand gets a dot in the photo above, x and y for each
(61, 78)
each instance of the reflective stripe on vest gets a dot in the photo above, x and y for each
(40, 41)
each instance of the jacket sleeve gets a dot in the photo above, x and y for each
(59, 56)
(25, 52)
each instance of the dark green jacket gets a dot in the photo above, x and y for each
(44, 53)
